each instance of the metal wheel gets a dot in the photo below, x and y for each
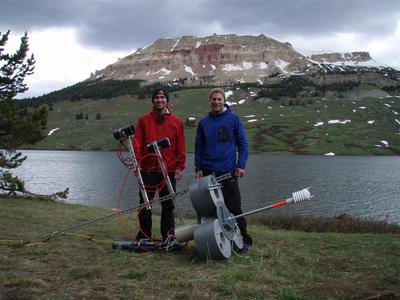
(211, 242)
(205, 193)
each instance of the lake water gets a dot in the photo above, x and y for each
(362, 186)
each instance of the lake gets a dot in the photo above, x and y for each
(362, 186)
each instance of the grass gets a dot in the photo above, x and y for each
(282, 264)
(284, 126)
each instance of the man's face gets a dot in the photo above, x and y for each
(217, 102)
(160, 101)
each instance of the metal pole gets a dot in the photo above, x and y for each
(258, 210)
(163, 169)
(139, 175)
(298, 196)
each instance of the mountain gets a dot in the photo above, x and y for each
(227, 59)
(217, 58)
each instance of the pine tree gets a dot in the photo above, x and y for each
(16, 128)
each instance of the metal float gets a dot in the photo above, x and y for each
(216, 232)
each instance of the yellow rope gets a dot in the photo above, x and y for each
(12, 242)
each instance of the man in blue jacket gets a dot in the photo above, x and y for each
(219, 135)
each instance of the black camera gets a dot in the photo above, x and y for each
(124, 132)
(163, 143)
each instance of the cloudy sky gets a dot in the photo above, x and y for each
(72, 38)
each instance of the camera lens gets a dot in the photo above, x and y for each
(163, 143)
(124, 132)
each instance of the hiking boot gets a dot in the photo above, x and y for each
(245, 249)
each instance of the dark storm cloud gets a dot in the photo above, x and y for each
(308, 17)
(124, 24)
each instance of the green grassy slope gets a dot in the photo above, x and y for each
(283, 126)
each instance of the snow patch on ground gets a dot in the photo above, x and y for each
(189, 70)
(163, 71)
(244, 66)
(338, 121)
(281, 64)
(384, 143)
(52, 131)
(330, 154)
(228, 94)
(173, 47)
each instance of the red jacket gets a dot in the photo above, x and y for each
(149, 129)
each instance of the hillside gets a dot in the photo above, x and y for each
(359, 120)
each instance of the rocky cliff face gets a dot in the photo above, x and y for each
(345, 58)
(217, 58)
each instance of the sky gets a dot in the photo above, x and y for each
(72, 38)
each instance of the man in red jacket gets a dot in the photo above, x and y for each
(153, 126)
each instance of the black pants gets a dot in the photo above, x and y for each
(233, 201)
(167, 207)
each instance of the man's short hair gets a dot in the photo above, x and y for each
(216, 90)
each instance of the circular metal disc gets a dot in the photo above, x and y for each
(204, 193)
(211, 243)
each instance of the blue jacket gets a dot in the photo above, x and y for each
(218, 137)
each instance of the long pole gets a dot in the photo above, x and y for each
(297, 197)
